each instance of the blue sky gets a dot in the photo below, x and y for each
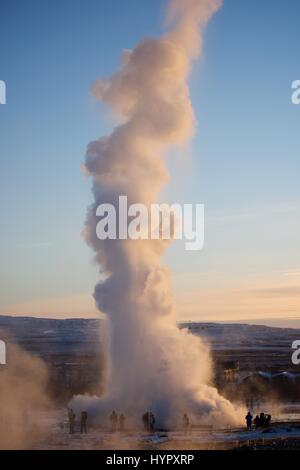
(244, 162)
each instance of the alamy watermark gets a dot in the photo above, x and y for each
(296, 93)
(2, 353)
(296, 353)
(2, 92)
(152, 222)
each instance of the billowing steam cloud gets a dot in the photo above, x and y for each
(23, 393)
(153, 364)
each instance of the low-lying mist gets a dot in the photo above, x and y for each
(23, 392)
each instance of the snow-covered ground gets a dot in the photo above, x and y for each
(55, 435)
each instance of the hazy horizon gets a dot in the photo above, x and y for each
(271, 322)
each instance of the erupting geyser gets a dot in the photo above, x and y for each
(153, 364)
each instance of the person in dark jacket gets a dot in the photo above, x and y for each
(114, 421)
(151, 421)
(83, 422)
(71, 417)
(256, 422)
(261, 420)
(267, 420)
(185, 423)
(146, 421)
(249, 419)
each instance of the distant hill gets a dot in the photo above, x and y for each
(253, 345)
(73, 350)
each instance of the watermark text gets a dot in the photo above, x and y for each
(296, 93)
(2, 353)
(155, 222)
(2, 92)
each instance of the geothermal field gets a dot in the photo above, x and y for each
(101, 238)
(252, 366)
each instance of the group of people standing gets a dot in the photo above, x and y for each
(148, 420)
(260, 421)
(72, 420)
(117, 421)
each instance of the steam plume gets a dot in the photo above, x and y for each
(153, 363)
(23, 393)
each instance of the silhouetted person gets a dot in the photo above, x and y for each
(268, 420)
(249, 419)
(83, 421)
(114, 421)
(145, 419)
(185, 423)
(122, 422)
(261, 420)
(148, 421)
(151, 421)
(256, 421)
(71, 417)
